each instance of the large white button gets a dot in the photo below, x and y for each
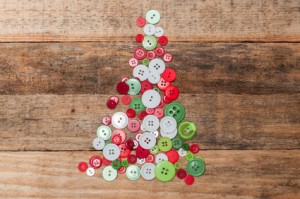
(153, 77)
(147, 140)
(147, 171)
(160, 157)
(168, 135)
(168, 124)
(98, 143)
(151, 98)
(159, 31)
(111, 152)
(119, 120)
(90, 171)
(157, 65)
(141, 71)
(151, 123)
(109, 173)
(152, 16)
(149, 29)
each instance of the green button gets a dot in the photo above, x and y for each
(175, 110)
(156, 89)
(145, 61)
(164, 144)
(104, 132)
(187, 130)
(125, 163)
(109, 173)
(116, 164)
(133, 172)
(177, 143)
(137, 105)
(152, 16)
(186, 147)
(177, 165)
(134, 86)
(164, 171)
(195, 167)
(189, 155)
(149, 42)
(154, 150)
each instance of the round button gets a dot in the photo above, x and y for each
(154, 150)
(141, 152)
(109, 173)
(172, 92)
(121, 133)
(149, 42)
(168, 124)
(159, 31)
(82, 166)
(152, 16)
(168, 57)
(133, 62)
(131, 113)
(119, 120)
(194, 148)
(141, 72)
(163, 40)
(111, 152)
(114, 98)
(175, 110)
(129, 144)
(151, 99)
(90, 171)
(116, 139)
(163, 84)
(186, 146)
(106, 120)
(122, 170)
(187, 130)
(164, 171)
(111, 104)
(126, 99)
(132, 159)
(159, 51)
(116, 164)
(124, 151)
(167, 100)
(141, 21)
(160, 157)
(134, 86)
(146, 85)
(150, 158)
(177, 143)
(189, 155)
(150, 55)
(169, 135)
(153, 77)
(147, 171)
(181, 152)
(151, 123)
(164, 144)
(149, 30)
(189, 179)
(195, 167)
(133, 172)
(177, 165)
(172, 156)
(139, 53)
(145, 61)
(157, 65)
(169, 74)
(106, 162)
(150, 111)
(147, 140)
(104, 132)
(142, 115)
(98, 143)
(181, 173)
(139, 38)
(122, 88)
(141, 160)
(133, 125)
(125, 163)
(137, 105)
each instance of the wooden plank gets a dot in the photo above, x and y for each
(229, 174)
(188, 20)
(225, 121)
(96, 67)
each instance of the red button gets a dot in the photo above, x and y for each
(122, 170)
(115, 98)
(150, 111)
(194, 148)
(181, 173)
(141, 152)
(146, 85)
(129, 144)
(150, 158)
(111, 104)
(159, 113)
(133, 125)
(106, 162)
(106, 120)
(116, 139)
(159, 51)
(169, 74)
(130, 113)
(161, 104)
(139, 38)
(150, 55)
(163, 84)
(168, 57)
(172, 156)
(124, 151)
(133, 62)
(122, 88)
(132, 159)
(139, 53)
(126, 99)
(167, 100)
(95, 161)
(163, 40)
(140, 21)
(189, 179)
(120, 133)
(172, 92)
(82, 166)
(142, 115)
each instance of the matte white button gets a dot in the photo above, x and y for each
(109, 173)
(152, 16)
(181, 152)
(151, 99)
(140, 160)
(111, 152)
(149, 29)
(168, 124)
(153, 77)
(119, 120)
(98, 143)
(141, 72)
(157, 65)
(160, 157)
(159, 31)
(90, 171)
(147, 171)
(147, 140)
(168, 135)
(151, 123)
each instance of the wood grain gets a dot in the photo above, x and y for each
(229, 174)
(188, 20)
(69, 122)
(96, 67)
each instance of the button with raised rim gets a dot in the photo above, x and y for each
(152, 16)
(168, 57)
(149, 30)
(116, 139)
(169, 74)
(137, 105)
(151, 123)
(121, 133)
(141, 72)
(82, 166)
(111, 152)
(157, 65)
(98, 143)
(119, 120)
(159, 51)
(109, 173)
(181, 173)
(133, 125)
(147, 171)
(141, 152)
(175, 110)
(150, 55)
(104, 132)
(132, 158)
(195, 167)
(172, 156)
(149, 42)
(164, 171)
(122, 88)
(187, 130)
(177, 143)
(164, 144)
(133, 172)
(134, 86)
(163, 40)
(163, 84)
(131, 113)
(139, 53)
(151, 98)
(147, 140)
(168, 124)
(194, 148)
(172, 92)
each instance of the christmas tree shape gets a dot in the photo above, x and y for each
(153, 115)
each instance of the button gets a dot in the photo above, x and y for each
(164, 144)
(98, 143)
(189, 155)
(153, 77)
(137, 137)
(132, 159)
(133, 62)
(149, 43)
(147, 140)
(104, 132)
(134, 86)
(116, 139)
(150, 158)
(177, 143)
(186, 146)
(159, 31)
(163, 84)
(163, 40)
(124, 163)
(181, 152)
(139, 38)
(159, 113)
(133, 125)
(181, 173)
(157, 65)
(106, 120)
(189, 179)
(168, 57)
(187, 130)
(147, 171)
(168, 124)
(126, 99)
(141, 152)
(152, 16)
(160, 157)
(150, 55)
(164, 171)
(90, 171)
(82, 166)
(142, 115)
(129, 144)
(172, 92)
(151, 99)
(141, 72)
(114, 98)
(159, 51)
(121, 170)
(111, 152)
(131, 113)
(122, 88)
(149, 30)
(146, 85)
(137, 105)
(194, 148)
(121, 133)
(111, 104)
(151, 123)
(169, 74)
(106, 162)
(175, 110)
(145, 61)
(116, 164)
(155, 133)
(169, 135)
(133, 172)
(172, 156)
(150, 111)
(109, 173)
(141, 160)
(139, 53)
(141, 21)
(154, 150)
(119, 120)
(167, 100)
(177, 165)
(161, 104)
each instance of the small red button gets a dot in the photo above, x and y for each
(168, 57)
(172, 92)
(140, 21)
(159, 113)
(169, 74)
(124, 151)
(150, 158)
(111, 104)
(163, 84)
(141, 152)
(132, 159)
(95, 161)
(194, 148)
(139, 38)
(172, 156)
(129, 144)
(163, 40)
(139, 53)
(167, 100)
(126, 99)
(133, 62)
(115, 98)
(142, 115)
(150, 55)
(82, 166)
(122, 88)
(181, 173)
(159, 51)
(106, 162)
(150, 111)
(189, 179)
(122, 170)
(133, 125)
(131, 113)
(146, 85)
(116, 139)
(106, 120)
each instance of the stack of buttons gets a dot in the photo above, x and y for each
(162, 135)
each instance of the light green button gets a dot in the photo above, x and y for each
(157, 90)
(195, 167)
(154, 150)
(124, 163)
(177, 165)
(149, 42)
(133, 172)
(134, 86)
(137, 105)
(164, 144)
(104, 132)
(189, 155)
(164, 171)
(116, 164)
(152, 16)
(109, 173)
(177, 143)
(175, 110)
(145, 61)
(187, 130)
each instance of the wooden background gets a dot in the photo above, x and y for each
(238, 73)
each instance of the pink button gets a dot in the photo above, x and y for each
(150, 55)
(133, 125)
(133, 62)
(137, 137)
(106, 120)
(161, 104)
(114, 98)
(126, 99)
(121, 133)
(168, 57)
(159, 113)
(150, 111)
(163, 84)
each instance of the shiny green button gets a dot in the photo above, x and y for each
(149, 42)
(152, 16)
(187, 130)
(164, 171)
(116, 164)
(164, 144)
(195, 167)
(177, 143)
(133, 172)
(125, 163)
(154, 150)
(189, 155)
(104, 132)
(134, 86)
(145, 61)
(137, 105)
(177, 165)
(186, 147)
(175, 110)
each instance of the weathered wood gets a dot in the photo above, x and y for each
(69, 122)
(229, 174)
(189, 20)
(79, 68)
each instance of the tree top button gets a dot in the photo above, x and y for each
(152, 16)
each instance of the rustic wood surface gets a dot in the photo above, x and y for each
(61, 60)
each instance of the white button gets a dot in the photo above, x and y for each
(140, 160)
(111, 152)
(147, 171)
(168, 124)
(159, 31)
(151, 99)
(109, 173)
(168, 135)
(98, 143)
(149, 29)
(151, 123)
(136, 144)
(147, 140)
(153, 77)
(157, 65)
(181, 152)
(155, 133)
(90, 171)
(119, 120)
(141, 71)
(160, 157)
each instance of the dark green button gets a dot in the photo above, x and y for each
(137, 105)
(116, 164)
(164, 171)
(145, 61)
(175, 110)
(195, 167)
(177, 143)
(187, 130)
(186, 147)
